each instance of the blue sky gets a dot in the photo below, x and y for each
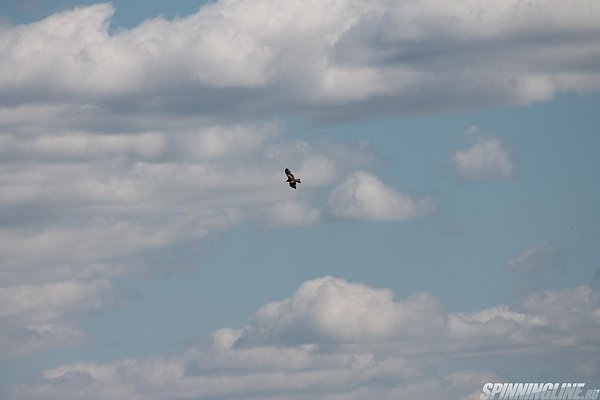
(444, 234)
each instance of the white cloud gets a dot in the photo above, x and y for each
(573, 314)
(487, 158)
(82, 145)
(34, 317)
(225, 141)
(334, 339)
(292, 213)
(115, 145)
(60, 252)
(95, 204)
(115, 195)
(375, 57)
(317, 171)
(333, 310)
(35, 303)
(363, 196)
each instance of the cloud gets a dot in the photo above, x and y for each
(116, 195)
(572, 313)
(85, 204)
(363, 196)
(118, 144)
(334, 339)
(487, 158)
(332, 59)
(94, 249)
(543, 257)
(35, 303)
(34, 317)
(215, 142)
(82, 145)
(317, 171)
(19, 340)
(333, 310)
(292, 213)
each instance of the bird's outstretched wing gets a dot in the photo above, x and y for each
(289, 174)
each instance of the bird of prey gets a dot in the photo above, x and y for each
(290, 178)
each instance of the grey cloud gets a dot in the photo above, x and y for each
(19, 340)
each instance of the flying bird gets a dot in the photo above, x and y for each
(290, 178)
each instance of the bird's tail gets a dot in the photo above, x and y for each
(298, 180)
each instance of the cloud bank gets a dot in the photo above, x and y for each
(337, 59)
(334, 339)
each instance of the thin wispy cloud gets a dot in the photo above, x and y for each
(543, 257)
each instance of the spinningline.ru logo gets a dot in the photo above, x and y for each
(535, 391)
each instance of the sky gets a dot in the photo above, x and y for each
(445, 233)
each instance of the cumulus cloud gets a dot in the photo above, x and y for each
(348, 58)
(487, 158)
(333, 310)
(334, 339)
(363, 196)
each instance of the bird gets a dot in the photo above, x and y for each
(290, 178)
